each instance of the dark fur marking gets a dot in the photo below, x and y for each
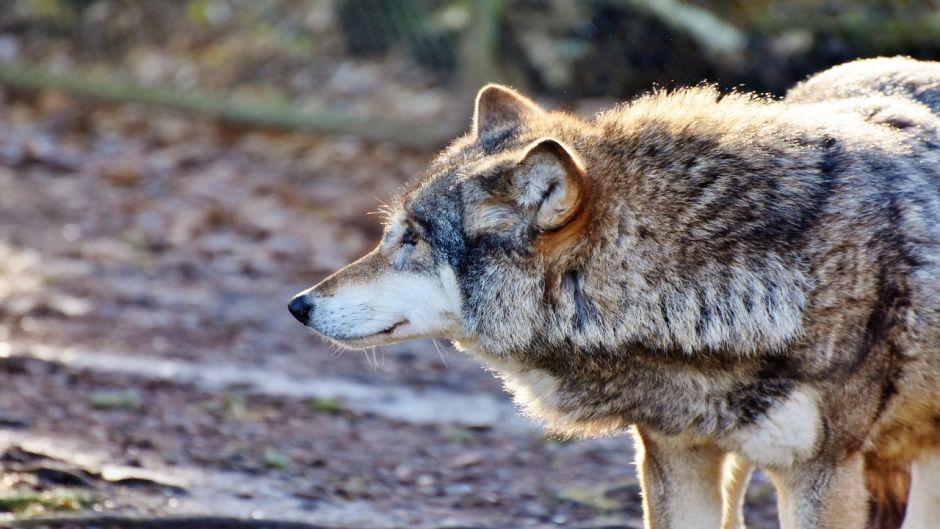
(776, 381)
(899, 123)
(748, 301)
(441, 220)
(832, 157)
(752, 401)
(548, 192)
(494, 181)
(663, 310)
(623, 229)
(888, 390)
(892, 295)
(832, 161)
(584, 310)
(493, 141)
(886, 514)
(707, 178)
(775, 221)
(704, 319)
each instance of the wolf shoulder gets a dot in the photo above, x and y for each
(898, 77)
(898, 94)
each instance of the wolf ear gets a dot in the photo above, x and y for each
(499, 110)
(552, 182)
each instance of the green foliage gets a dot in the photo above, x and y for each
(459, 436)
(327, 405)
(207, 11)
(29, 503)
(47, 10)
(125, 399)
(604, 498)
(879, 27)
(233, 404)
(275, 459)
(428, 30)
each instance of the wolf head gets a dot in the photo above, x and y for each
(667, 224)
(467, 249)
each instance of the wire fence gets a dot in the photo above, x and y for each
(406, 70)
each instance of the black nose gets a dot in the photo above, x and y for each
(300, 308)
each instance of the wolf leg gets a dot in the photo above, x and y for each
(736, 475)
(822, 495)
(681, 484)
(923, 508)
(889, 483)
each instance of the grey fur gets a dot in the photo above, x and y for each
(728, 256)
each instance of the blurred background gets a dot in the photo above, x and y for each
(172, 172)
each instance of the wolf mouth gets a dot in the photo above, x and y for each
(390, 329)
(386, 331)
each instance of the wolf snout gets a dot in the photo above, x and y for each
(301, 307)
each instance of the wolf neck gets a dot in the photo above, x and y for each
(697, 244)
(709, 251)
(714, 308)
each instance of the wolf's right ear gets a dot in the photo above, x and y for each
(499, 110)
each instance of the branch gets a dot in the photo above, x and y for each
(278, 116)
(718, 37)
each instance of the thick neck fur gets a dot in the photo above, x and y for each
(699, 248)
(694, 239)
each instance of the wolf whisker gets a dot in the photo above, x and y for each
(439, 353)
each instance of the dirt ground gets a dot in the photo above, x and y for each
(150, 367)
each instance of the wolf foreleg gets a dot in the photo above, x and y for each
(822, 495)
(736, 475)
(681, 484)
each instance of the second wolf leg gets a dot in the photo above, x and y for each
(681, 484)
(822, 494)
(889, 482)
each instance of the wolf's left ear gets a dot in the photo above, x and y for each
(499, 110)
(551, 180)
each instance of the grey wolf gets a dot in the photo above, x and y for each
(744, 281)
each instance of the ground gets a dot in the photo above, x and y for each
(150, 366)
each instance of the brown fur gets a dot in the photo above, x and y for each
(738, 277)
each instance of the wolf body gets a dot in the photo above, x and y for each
(747, 282)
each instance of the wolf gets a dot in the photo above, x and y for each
(741, 281)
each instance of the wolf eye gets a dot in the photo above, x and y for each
(409, 238)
